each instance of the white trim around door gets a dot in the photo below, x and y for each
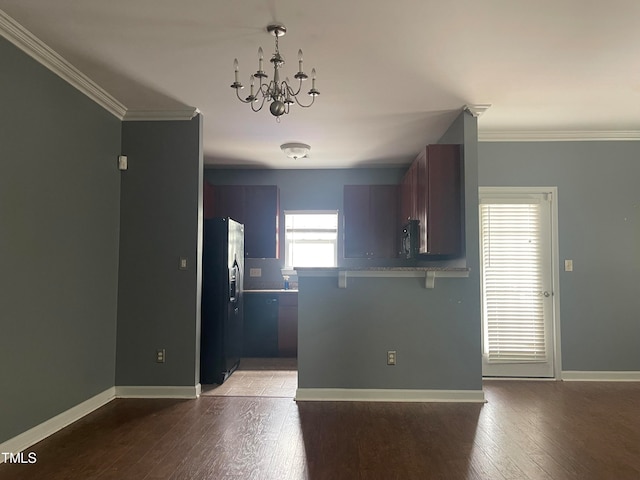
(553, 307)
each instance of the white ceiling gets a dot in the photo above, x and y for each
(393, 75)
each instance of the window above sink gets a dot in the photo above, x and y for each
(310, 238)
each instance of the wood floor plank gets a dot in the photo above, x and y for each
(526, 431)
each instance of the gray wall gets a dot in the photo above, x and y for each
(344, 334)
(599, 228)
(161, 221)
(59, 217)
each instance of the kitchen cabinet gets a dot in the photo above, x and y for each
(261, 215)
(260, 329)
(255, 206)
(409, 195)
(288, 325)
(270, 324)
(371, 228)
(431, 192)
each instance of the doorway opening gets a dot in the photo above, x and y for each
(259, 377)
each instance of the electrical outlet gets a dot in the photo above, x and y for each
(160, 355)
(183, 265)
(391, 357)
(255, 272)
(568, 265)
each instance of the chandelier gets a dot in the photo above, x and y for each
(280, 94)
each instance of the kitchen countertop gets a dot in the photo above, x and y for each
(428, 273)
(272, 290)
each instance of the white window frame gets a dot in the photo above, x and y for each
(289, 269)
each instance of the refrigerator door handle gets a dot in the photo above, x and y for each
(233, 283)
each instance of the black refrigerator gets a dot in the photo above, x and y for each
(222, 312)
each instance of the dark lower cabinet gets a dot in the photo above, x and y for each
(288, 325)
(270, 324)
(260, 325)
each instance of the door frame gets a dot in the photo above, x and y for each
(555, 263)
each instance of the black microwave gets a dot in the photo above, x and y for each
(410, 239)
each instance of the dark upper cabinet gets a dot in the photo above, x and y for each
(228, 201)
(371, 221)
(432, 193)
(208, 193)
(255, 206)
(408, 195)
(261, 216)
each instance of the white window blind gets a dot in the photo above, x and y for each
(512, 284)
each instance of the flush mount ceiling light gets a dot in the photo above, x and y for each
(295, 150)
(279, 93)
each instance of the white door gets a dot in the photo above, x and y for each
(517, 287)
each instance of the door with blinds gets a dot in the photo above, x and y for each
(516, 276)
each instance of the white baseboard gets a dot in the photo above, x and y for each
(520, 379)
(387, 395)
(40, 432)
(125, 391)
(584, 376)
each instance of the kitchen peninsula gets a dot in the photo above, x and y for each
(349, 319)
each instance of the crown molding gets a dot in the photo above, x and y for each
(156, 115)
(559, 136)
(46, 56)
(37, 49)
(476, 110)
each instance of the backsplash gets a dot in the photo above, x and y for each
(270, 270)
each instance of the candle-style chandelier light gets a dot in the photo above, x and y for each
(279, 93)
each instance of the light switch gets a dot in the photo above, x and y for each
(255, 272)
(183, 263)
(568, 265)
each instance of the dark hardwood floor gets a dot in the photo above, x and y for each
(527, 430)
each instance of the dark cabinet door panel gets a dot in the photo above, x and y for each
(260, 325)
(371, 221)
(383, 212)
(288, 330)
(261, 221)
(422, 198)
(439, 200)
(228, 201)
(255, 206)
(445, 200)
(408, 195)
